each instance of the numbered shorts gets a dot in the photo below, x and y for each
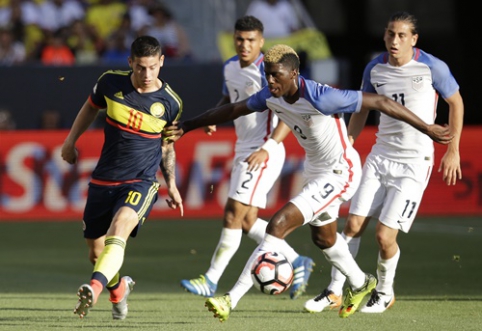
(321, 197)
(251, 187)
(103, 202)
(391, 191)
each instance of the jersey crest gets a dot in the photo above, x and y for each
(157, 109)
(417, 83)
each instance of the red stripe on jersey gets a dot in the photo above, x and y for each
(349, 161)
(268, 125)
(123, 128)
(109, 183)
(429, 171)
(416, 54)
(385, 58)
(302, 88)
(93, 104)
(257, 182)
(260, 60)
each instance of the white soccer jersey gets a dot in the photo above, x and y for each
(252, 130)
(316, 122)
(416, 85)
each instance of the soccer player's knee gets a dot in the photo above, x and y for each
(322, 241)
(385, 241)
(233, 222)
(278, 226)
(354, 226)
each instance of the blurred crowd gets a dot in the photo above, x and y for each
(82, 32)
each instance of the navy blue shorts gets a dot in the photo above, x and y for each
(103, 202)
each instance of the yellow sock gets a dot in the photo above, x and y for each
(111, 259)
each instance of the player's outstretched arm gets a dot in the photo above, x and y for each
(212, 116)
(210, 129)
(437, 133)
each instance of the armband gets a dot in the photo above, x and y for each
(270, 145)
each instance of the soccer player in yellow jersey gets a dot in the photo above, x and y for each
(123, 187)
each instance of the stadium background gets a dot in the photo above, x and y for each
(36, 185)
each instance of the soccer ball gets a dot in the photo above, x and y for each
(272, 273)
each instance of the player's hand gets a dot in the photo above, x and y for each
(450, 167)
(257, 159)
(69, 153)
(176, 200)
(440, 134)
(210, 129)
(173, 132)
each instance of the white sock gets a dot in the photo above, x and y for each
(258, 230)
(337, 278)
(257, 233)
(244, 283)
(227, 247)
(339, 256)
(386, 273)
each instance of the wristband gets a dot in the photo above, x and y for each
(270, 145)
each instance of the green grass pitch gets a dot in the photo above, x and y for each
(438, 284)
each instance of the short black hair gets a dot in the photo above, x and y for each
(249, 23)
(403, 16)
(145, 46)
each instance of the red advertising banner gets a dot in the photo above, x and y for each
(36, 184)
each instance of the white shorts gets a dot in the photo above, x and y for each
(321, 197)
(252, 188)
(391, 191)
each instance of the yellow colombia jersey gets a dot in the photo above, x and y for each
(134, 122)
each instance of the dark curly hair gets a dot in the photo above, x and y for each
(248, 23)
(145, 46)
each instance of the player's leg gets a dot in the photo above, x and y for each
(96, 221)
(331, 296)
(229, 242)
(320, 202)
(256, 227)
(282, 223)
(367, 200)
(336, 251)
(131, 207)
(247, 192)
(302, 265)
(138, 198)
(235, 211)
(406, 184)
(85, 293)
(107, 265)
(354, 227)
(383, 297)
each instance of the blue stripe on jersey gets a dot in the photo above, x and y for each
(442, 79)
(326, 99)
